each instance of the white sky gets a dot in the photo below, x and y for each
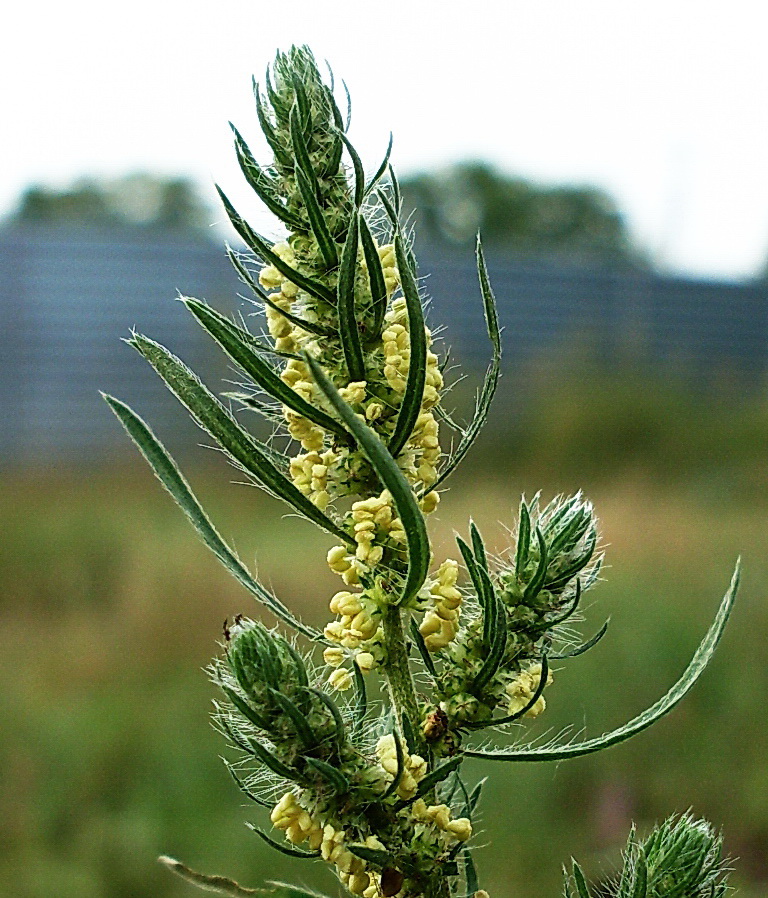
(661, 102)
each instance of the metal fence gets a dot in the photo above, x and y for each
(67, 297)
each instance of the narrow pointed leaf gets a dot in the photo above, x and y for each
(331, 774)
(283, 847)
(498, 644)
(349, 331)
(245, 709)
(274, 764)
(694, 670)
(435, 776)
(478, 546)
(357, 166)
(217, 421)
(329, 703)
(317, 223)
(537, 581)
(584, 647)
(392, 478)
(408, 733)
(640, 887)
(309, 326)
(418, 641)
(374, 856)
(236, 343)
(361, 706)
(376, 279)
(484, 596)
(173, 480)
(501, 721)
(581, 883)
(263, 249)
(298, 720)
(282, 157)
(491, 381)
(219, 884)
(300, 150)
(261, 183)
(381, 169)
(523, 540)
(470, 873)
(410, 406)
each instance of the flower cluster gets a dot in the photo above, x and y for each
(345, 370)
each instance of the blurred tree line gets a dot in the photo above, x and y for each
(137, 200)
(449, 207)
(519, 217)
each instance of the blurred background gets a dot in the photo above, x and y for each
(613, 156)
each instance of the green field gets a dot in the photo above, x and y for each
(111, 610)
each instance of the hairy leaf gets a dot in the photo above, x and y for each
(173, 480)
(694, 670)
(392, 478)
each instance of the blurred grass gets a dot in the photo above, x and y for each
(110, 610)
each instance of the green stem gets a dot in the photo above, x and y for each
(398, 671)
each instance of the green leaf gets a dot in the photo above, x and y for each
(375, 278)
(245, 709)
(237, 343)
(435, 776)
(408, 733)
(261, 183)
(282, 157)
(584, 647)
(297, 719)
(282, 847)
(537, 581)
(374, 856)
(361, 706)
(273, 763)
(309, 326)
(338, 721)
(299, 144)
(217, 421)
(694, 670)
(262, 249)
(325, 241)
(484, 595)
(498, 639)
(581, 883)
(410, 406)
(219, 884)
(329, 773)
(640, 886)
(173, 480)
(500, 721)
(349, 331)
(392, 478)
(357, 166)
(418, 641)
(491, 381)
(523, 540)
(381, 169)
(478, 547)
(470, 873)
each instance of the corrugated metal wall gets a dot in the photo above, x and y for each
(68, 297)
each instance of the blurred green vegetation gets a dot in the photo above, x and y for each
(110, 611)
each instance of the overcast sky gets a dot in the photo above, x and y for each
(661, 102)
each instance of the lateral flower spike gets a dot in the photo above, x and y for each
(342, 366)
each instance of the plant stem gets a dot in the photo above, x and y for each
(398, 671)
